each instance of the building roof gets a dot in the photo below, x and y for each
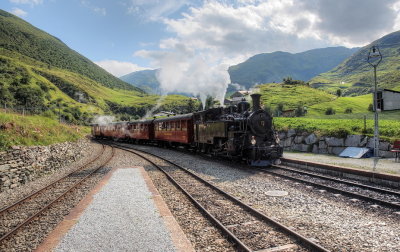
(393, 91)
(241, 93)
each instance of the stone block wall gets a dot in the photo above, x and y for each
(306, 142)
(22, 164)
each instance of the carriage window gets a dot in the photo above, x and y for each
(178, 125)
(172, 125)
(184, 125)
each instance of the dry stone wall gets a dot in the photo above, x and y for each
(306, 142)
(22, 164)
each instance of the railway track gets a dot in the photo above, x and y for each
(373, 194)
(248, 228)
(22, 212)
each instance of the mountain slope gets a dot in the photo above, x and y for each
(355, 75)
(273, 67)
(16, 35)
(41, 75)
(145, 80)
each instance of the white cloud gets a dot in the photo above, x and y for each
(31, 2)
(251, 26)
(101, 11)
(220, 33)
(18, 12)
(119, 68)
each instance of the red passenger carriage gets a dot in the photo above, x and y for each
(141, 130)
(177, 129)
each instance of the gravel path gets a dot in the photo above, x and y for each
(383, 165)
(113, 211)
(336, 222)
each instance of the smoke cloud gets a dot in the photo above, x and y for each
(103, 120)
(185, 70)
(150, 112)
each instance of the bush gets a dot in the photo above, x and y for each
(330, 111)
(348, 111)
(370, 107)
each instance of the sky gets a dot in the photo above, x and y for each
(128, 35)
(195, 36)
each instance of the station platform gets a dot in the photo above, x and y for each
(380, 165)
(124, 212)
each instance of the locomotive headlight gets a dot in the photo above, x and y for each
(253, 140)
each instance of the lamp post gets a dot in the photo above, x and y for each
(374, 58)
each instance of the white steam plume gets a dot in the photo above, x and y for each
(150, 112)
(185, 71)
(103, 120)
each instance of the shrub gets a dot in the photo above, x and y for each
(348, 111)
(330, 111)
(370, 107)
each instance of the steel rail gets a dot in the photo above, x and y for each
(29, 219)
(333, 189)
(303, 240)
(4, 209)
(372, 188)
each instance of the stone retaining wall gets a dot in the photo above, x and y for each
(21, 164)
(306, 142)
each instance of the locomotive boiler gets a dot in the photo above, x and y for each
(237, 132)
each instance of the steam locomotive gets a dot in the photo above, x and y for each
(235, 132)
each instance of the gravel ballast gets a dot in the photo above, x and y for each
(334, 221)
(121, 217)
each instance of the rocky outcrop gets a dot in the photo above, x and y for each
(22, 164)
(305, 142)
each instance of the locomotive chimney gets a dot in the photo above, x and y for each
(256, 101)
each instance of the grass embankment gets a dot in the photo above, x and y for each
(36, 130)
(388, 129)
(290, 96)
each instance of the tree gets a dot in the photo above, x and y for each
(339, 92)
(29, 97)
(191, 106)
(330, 111)
(299, 111)
(279, 109)
(348, 111)
(209, 102)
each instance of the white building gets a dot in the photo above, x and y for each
(239, 95)
(388, 100)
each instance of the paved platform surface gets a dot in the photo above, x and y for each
(382, 165)
(124, 213)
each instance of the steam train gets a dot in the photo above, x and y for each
(234, 132)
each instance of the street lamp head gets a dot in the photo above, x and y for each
(374, 56)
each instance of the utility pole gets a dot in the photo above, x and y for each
(374, 58)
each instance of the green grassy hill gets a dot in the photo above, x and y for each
(317, 101)
(292, 95)
(40, 73)
(16, 35)
(355, 76)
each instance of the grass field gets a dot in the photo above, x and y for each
(388, 129)
(36, 130)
